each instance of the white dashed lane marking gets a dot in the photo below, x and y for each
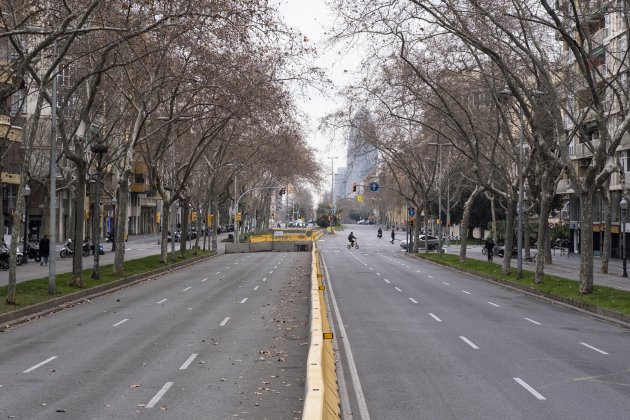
(530, 389)
(188, 361)
(50, 359)
(120, 322)
(463, 291)
(448, 284)
(593, 348)
(186, 289)
(162, 301)
(204, 279)
(244, 300)
(397, 289)
(435, 317)
(225, 321)
(494, 304)
(532, 321)
(470, 343)
(413, 300)
(159, 395)
(256, 288)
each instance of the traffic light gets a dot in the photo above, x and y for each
(354, 187)
(283, 191)
(238, 216)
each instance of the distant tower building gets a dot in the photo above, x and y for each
(362, 157)
(340, 182)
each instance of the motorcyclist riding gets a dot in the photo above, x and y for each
(380, 233)
(351, 238)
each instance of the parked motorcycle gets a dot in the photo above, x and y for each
(32, 252)
(89, 246)
(4, 256)
(68, 249)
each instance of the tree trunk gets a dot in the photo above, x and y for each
(586, 242)
(166, 223)
(526, 247)
(606, 246)
(78, 222)
(494, 219)
(183, 242)
(509, 235)
(121, 223)
(215, 223)
(465, 220)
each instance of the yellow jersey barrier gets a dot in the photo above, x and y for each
(287, 235)
(322, 392)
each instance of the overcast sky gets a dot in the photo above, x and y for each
(313, 19)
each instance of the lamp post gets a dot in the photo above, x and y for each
(624, 206)
(439, 146)
(332, 191)
(27, 193)
(114, 201)
(99, 149)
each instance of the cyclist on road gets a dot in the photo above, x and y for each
(351, 238)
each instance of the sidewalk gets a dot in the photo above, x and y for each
(566, 266)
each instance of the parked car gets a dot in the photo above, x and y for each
(432, 242)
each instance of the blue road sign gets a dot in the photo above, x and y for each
(412, 212)
(374, 186)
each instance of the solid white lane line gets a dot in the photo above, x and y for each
(256, 288)
(448, 284)
(159, 395)
(188, 361)
(204, 279)
(387, 281)
(50, 359)
(435, 317)
(225, 321)
(463, 291)
(593, 348)
(397, 289)
(494, 304)
(360, 398)
(532, 321)
(187, 289)
(244, 300)
(162, 301)
(120, 322)
(265, 279)
(530, 389)
(470, 343)
(413, 300)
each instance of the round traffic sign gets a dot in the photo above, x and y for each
(374, 186)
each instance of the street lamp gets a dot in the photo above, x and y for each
(332, 191)
(27, 193)
(439, 146)
(114, 201)
(99, 149)
(624, 206)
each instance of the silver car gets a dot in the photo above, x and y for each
(432, 242)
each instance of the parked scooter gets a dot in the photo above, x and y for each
(32, 252)
(89, 247)
(68, 249)
(4, 256)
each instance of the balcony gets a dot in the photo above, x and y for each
(615, 181)
(140, 168)
(138, 188)
(581, 151)
(8, 131)
(9, 178)
(149, 202)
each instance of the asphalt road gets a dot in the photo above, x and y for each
(223, 339)
(418, 341)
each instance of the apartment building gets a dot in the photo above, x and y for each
(604, 21)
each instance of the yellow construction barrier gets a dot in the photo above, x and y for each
(322, 392)
(288, 235)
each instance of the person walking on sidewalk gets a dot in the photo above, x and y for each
(393, 235)
(489, 245)
(44, 249)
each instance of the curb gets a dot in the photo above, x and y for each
(29, 313)
(583, 308)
